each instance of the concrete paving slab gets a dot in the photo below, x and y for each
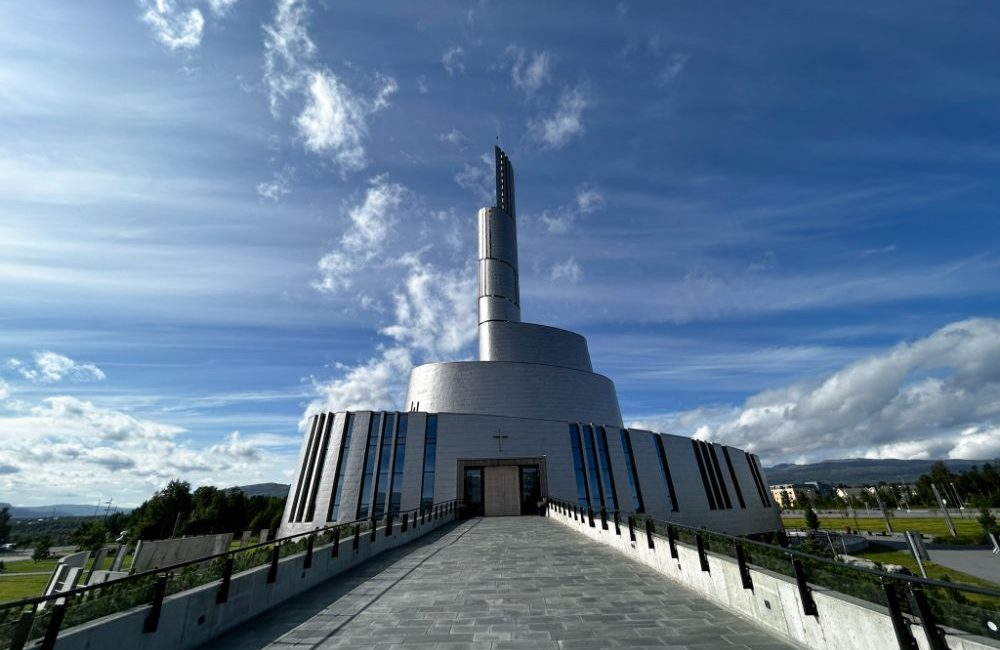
(519, 582)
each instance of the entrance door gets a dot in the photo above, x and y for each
(502, 496)
(473, 491)
(531, 489)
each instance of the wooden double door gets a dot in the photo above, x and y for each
(502, 490)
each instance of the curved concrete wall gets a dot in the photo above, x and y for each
(524, 390)
(531, 343)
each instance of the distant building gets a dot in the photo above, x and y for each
(530, 419)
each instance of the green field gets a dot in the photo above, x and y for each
(935, 526)
(17, 587)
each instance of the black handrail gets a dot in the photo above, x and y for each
(792, 553)
(180, 565)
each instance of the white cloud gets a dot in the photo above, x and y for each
(568, 270)
(935, 397)
(49, 367)
(454, 137)
(556, 130)
(422, 85)
(528, 72)
(452, 60)
(175, 27)
(220, 7)
(371, 222)
(278, 186)
(235, 447)
(479, 179)
(4, 390)
(673, 67)
(334, 118)
(588, 199)
(102, 423)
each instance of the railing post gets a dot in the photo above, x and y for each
(904, 638)
(55, 622)
(21, 632)
(423, 515)
(604, 519)
(152, 621)
(574, 513)
(272, 573)
(388, 525)
(406, 523)
(336, 542)
(590, 517)
(310, 542)
(649, 533)
(618, 526)
(805, 593)
(702, 557)
(357, 536)
(227, 577)
(741, 560)
(371, 537)
(927, 620)
(672, 541)
(631, 528)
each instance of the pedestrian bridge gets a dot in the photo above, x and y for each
(503, 582)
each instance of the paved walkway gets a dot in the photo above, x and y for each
(524, 582)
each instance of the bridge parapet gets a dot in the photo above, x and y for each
(811, 601)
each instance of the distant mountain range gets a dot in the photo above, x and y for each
(58, 510)
(858, 471)
(265, 490)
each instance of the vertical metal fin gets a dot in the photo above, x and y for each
(505, 182)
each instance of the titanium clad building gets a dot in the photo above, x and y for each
(530, 419)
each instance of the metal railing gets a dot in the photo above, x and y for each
(25, 622)
(933, 604)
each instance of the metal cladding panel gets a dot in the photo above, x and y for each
(497, 236)
(647, 468)
(497, 309)
(619, 468)
(303, 451)
(531, 343)
(353, 468)
(326, 468)
(522, 390)
(413, 466)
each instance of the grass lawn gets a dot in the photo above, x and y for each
(889, 555)
(935, 526)
(17, 587)
(21, 566)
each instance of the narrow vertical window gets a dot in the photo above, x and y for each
(371, 454)
(668, 481)
(590, 454)
(732, 475)
(717, 473)
(338, 476)
(430, 456)
(318, 467)
(384, 465)
(768, 503)
(633, 475)
(302, 470)
(582, 493)
(704, 475)
(756, 480)
(395, 488)
(309, 466)
(610, 494)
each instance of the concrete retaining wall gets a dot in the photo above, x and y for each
(165, 552)
(192, 618)
(843, 623)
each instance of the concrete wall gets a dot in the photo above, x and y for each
(164, 552)
(192, 618)
(465, 437)
(843, 623)
(526, 390)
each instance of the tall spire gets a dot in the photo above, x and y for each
(505, 182)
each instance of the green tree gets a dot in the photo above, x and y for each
(815, 545)
(4, 524)
(42, 547)
(90, 535)
(812, 519)
(988, 521)
(156, 517)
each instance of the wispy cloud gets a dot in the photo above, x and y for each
(334, 118)
(278, 186)
(454, 137)
(569, 271)
(528, 72)
(175, 27)
(556, 130)
(478, 179)
(672, 68)
(371, 222)
(588, 199)
(48, 367)
(452, 60)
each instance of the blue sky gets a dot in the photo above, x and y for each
(776, 224)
